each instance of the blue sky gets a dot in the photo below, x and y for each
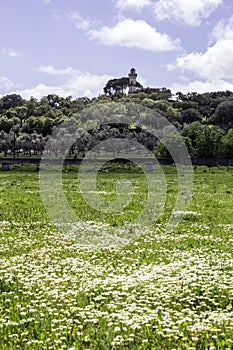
(73, 47)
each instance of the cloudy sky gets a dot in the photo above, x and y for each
(73, 47)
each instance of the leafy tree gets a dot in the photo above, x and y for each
(10, 113)
(161, 94)
(227, 149)
(171, 141)
(190, 115)
(209, 142)
(157, 93)
(6, 124)
(116, 85)
(11, 101)
(43, 108)
(223, 116)
(31, 105)
(185, 105)
(16, 124)
(139, 96)
(26, 128)
(21, 113)
(35, 124)
(48, 124)
(148, 102)
(180, 97)
(190, 133)
(40, 125)
(203, 141)
(206, 112)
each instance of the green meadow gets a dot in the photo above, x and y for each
(164, 290)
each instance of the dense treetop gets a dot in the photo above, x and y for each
(204, 120)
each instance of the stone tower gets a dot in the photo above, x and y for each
(132, 80)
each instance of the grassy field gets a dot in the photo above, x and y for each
(163, 291)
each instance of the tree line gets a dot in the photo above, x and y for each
(205, 121)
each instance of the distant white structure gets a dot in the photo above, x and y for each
(132, 81)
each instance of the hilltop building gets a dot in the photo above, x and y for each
(121, 85)
(132, 80)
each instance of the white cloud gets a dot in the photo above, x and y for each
(53, 71)
(87, 84)
(216, 61)
(76, 84)
(9, 52)
(214, 67)
(134, 34)
(223, 30)
(190, 12)
(80, 22)
(132, 4)
(6, 85)
(203, 86)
